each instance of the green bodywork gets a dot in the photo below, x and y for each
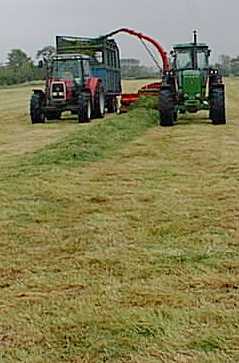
(191, 65)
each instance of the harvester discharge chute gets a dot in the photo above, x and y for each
(151, 89)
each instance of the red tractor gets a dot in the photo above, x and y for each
(83, 77)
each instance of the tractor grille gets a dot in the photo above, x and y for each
(192, 83)
(58, 91)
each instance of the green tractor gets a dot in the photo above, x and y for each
(191, 85)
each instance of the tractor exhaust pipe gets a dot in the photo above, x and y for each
(195, 37)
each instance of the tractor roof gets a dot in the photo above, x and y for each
(190, 45)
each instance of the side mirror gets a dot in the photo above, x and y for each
(40, 64)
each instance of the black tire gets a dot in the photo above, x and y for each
(37, 114)
(166, 107)
(217, 106)
(112, 105)
(99, 103)
(85, 109)
(54, 115)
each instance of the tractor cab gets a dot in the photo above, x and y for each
(190, 63)
(190, 57)
(66, 77)
(69, 68)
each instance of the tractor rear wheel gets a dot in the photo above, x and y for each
(37, 114)
(166, 107)
(99, 104)
(217, 106)
(85, 110)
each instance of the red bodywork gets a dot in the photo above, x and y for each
(151, 89)
(90, 85)
(69, 84)
(152, 86)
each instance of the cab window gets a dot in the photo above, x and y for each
(184, 60)
(202, 59)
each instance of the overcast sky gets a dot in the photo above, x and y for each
(32, 24)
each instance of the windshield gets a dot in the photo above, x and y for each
(202, 59)
(68, 69)
(184, 60)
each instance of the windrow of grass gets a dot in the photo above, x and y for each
(93, 143)
(36, 192)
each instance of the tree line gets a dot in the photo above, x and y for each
(228, 66)
(20, 68)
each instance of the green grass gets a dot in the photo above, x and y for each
(96, 143)
(119, 240)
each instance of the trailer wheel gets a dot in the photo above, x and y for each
(54, 115)
(85, 110)
(112, 105)
(37, 114)
(166, 107)
(217, 106)
(99, 104)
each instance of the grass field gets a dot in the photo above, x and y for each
(119, 239)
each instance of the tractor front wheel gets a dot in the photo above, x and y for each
(217, 106)
(166, 107)
(37, 114)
